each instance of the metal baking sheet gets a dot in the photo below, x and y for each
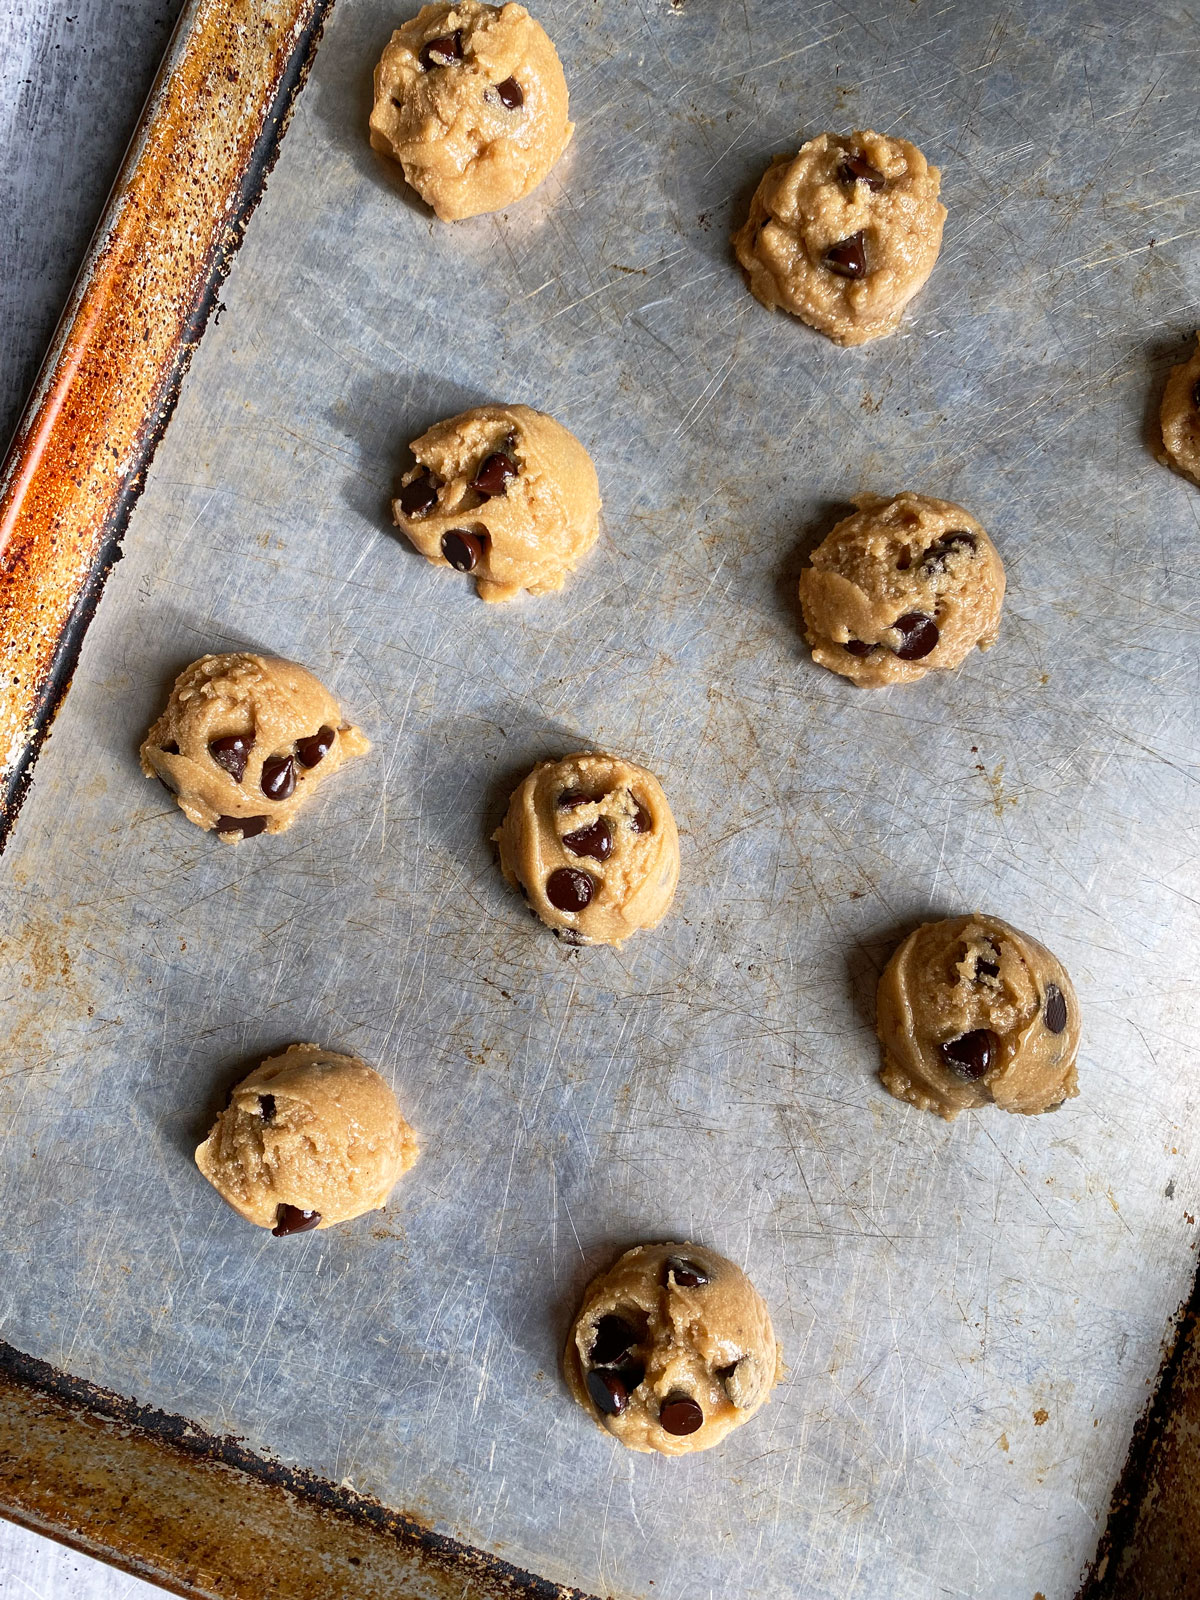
(971, 1314)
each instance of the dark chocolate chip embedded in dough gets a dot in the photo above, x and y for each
(934, 559)
(681, 1415)
(419, 496)
(986, 969)
(246, 826)
(596, 841)
(572, 799)
(848, 258)
(1056, 1008)
(232, 752)
(510, 94)
(613, 1338)
(687, 1274)
(442, 52)
(918, 635)
(312, 751)
(608, 1391)
(266, 1107)
(290, 1219)
(971, 1054)
(570, 889)
(493, 475)
(858, 647)
(461, 549)
(857, 169)
(1196, 395)
(278, 780)
(640, 821)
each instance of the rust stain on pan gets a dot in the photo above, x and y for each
(1150, 1549)
(205, 1517)
(193, 174)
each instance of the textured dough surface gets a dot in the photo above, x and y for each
(713, 1343)
(329, 1137)
(802, 208)
(1180, 417)
(531, 534)
(275, 703)
(894, 559)
(461, 147)
(939, 986)
(632, 888)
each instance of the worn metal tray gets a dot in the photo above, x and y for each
(972, 1315)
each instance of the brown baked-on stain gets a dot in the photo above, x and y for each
(193, 175)
(1040, 1416)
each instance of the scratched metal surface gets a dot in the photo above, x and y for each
(970, 1314)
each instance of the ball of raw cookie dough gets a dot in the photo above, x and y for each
(471, 100)
(903, 587)
(671, 1349)
(244, 741)
(1180, 417)
(591, 843)
(309, 1139)
(972, 1012)
(844, 233)
(504, 493)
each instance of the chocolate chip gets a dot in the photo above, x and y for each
(613, 1337)
(971, 1054)
(681, 1415)
(572, 799)
(569, 889)
(246, 826)
(858, 647)
(857, 169)
(171, 749)
(1196, 395)
(441, 52)
(608, 1392)
(232, 752)
(510, 94)
(278, 780)
(461, 549)
(419, 496)
(290, 1219)
(848, 258)
(266, 1107)
(986, 969)
(493, 475)
(312, 751)
(686, 1273)
(640, 821)
(934, 559)
(918, 635)
(1056, 1008)
(596, 841)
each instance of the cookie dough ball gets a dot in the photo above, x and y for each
(471, 101)
(309, 1139)
(971, 1012)
(843, 234)
(504, 493)
(1180, 417)
(671, 1349)
(244, 741)
(591, 843)
(904, 587)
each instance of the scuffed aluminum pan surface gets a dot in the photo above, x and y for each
(970, 1314)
